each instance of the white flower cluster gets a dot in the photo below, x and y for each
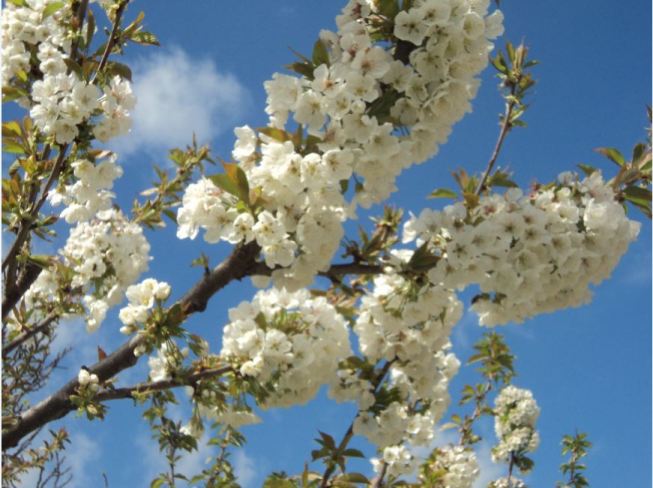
(206, 206)
(88, 380)
(410, 324)
(398, 460)
(530, 254)
(23, 29)
(513, 482)
(106, 255)
(116, 103)
(458, 467)
(168, 360)
(89, 194)
(515, 414)
(60, 101)
(141, 299)
(291, 341)
(368, 111)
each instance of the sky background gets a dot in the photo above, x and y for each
(589, 368)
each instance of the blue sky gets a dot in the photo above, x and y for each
(589, 368)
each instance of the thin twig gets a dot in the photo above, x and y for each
(335, 270)
(112, 39)
(331, 467)
(29, 333)
(26, 223)
(131, 391)
(505, 128)
(378, 481)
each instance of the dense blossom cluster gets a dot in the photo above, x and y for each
(89, 194)
(515, 414)
(531, 253)
(456, 467)
(512, 482)
(106, 255)
(142, 298)
(410, 325)
(168, 360)
(60, 100)
(371, 111)
(24, 28)
(291, 342)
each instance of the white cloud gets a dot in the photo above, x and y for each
(80, 455)
(489, 471)
(244, 469)
(178, 95)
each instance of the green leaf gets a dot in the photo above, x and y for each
(640, 197)
(320, 53)
(116, 68)
(276, 134)
(223, 182)
(42, 261)
(11, 93)
(353, 478)
(443, 193)
(304, 69)
(638, 151)
(612, 154)
(239, 178)
(353, 453)
(11, 128)
(389, 8)
(145, 39)
(502, 179)
(157, 483)
(587, 169)
(423, 259)
(12, 147)
(327, 440)
(52, 8)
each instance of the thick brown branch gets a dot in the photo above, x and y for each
(237, 266)
(15, 292)
(130, 391)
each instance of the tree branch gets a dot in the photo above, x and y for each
(237, 266)
(29, 333)
(112, 39)
(340, 269)
(505, 128)
(331, 467)
(129, 391)
(15, 293)
(378, 481)
(26, 223)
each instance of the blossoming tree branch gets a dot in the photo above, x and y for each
(375, 97)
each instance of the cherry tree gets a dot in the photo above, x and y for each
(368, 316)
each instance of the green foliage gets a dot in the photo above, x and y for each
(577, 447)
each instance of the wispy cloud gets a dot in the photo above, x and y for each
(81, 456)
(177, 96)
(244, 469)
